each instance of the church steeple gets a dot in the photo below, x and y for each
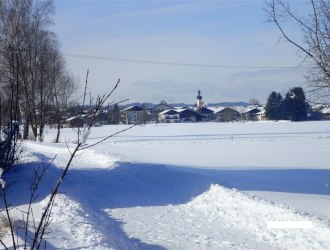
(200, 102)
(199, 97)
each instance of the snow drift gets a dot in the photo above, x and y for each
(187, 186)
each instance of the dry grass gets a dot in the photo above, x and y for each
(4, 226)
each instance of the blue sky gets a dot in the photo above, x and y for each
(228, 33)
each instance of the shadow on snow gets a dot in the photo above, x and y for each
(141, 184)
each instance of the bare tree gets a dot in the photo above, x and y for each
(313, 45)
(55, 85)
(62, 95)
(24, 57)
(39, 227)
(254, 101)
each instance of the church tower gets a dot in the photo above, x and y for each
(200, 103)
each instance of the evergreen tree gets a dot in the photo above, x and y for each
(273, 106)
(294, 105)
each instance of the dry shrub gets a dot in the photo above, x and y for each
(4, 226)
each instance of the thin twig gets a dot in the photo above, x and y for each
(106, 138)
(46, 211)
(3, 244)
(11, 225)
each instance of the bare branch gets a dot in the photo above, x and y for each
(108, 137)
(315, 30)
(43, 220)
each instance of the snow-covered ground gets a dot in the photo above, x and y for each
(187, 186)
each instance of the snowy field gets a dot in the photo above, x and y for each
(187, 186)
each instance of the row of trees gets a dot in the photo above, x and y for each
(33, 75)
(293, 107)
(34, 80)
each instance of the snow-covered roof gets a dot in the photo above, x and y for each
(226, 108)
(169, 112)
(162, 106)
(240, 109)
(216, 109)
(205, 110)
(75, 117)
(183, 109)
(261, 112)
(251, 107)
(325, 111)
(133, 108)
(71, 118)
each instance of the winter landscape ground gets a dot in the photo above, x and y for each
(187, 186)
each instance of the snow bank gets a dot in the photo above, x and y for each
(88, 158)
(221, 218)
(251, 214)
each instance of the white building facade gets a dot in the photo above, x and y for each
(169, 116)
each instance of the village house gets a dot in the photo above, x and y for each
(98, 118)
(206, 113)
(326, 113)
(189, 115)
(132, 115)
(161, 107)
(169, 116)
(250, 113)
(154, 111)
(227, 115)
(261, 116)
(75, 121)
